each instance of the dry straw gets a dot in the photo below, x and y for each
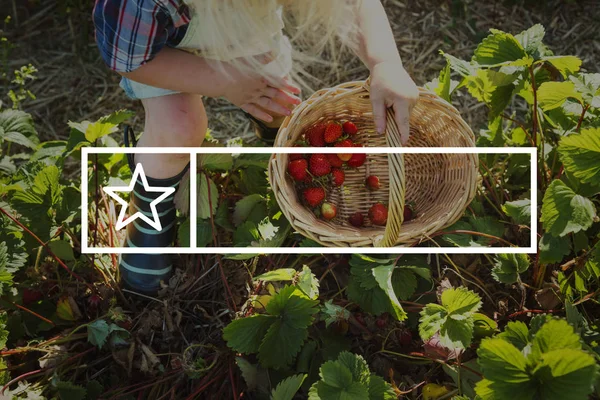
(440, 185)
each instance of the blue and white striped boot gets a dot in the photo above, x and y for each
(143, 272)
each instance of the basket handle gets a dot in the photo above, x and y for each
(397, 181)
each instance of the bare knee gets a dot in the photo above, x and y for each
(177, 120)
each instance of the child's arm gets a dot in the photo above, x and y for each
(391, 86)
(184, 72)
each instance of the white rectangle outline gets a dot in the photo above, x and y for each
(193, 249)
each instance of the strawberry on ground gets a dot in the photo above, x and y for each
(313, 196)
(298, 169)
(350, 128)
(334, 160)
(373, 182)
(314, 135)
(328, 211)
(318, 165)
(338, 177)
(333, 132)
(357, 220)
(378, 214)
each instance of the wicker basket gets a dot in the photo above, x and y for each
(439, 185)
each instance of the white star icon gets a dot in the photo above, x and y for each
(155, 221)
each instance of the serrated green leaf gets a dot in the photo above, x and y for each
(566, 375)
(244, 207)
(356, 364)
(246, 334)
(457, 334)
(282, 274)
(519, 210)
(335, 374)
(516, 333)
(464, 68)
(433, 316)
(216, 161)
(281, 344)
(589, 87)
(566, 65)
(70, 391)
(580, 154)
(246, 234)
(553, 249)
(554, 335)
(379, 389)
(552, 95)
(97, 130)
(531, 39)
(118, 117)
(483, 326)
(460, 301)
(17, 126)
(565, 212)
(334, 313)
(383, 276)
(507, 267)
(208, 197)
(98, 332)
(3, 331)
(404, 283)
(499, 47)
(287, 388)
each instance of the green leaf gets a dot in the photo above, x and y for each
(287, 388)
(445, 83)
(457, 334)
(566, 375)
(461, 301)
(94, 390)
(433, 317)
(281, 344)
(207, 204)
(17, 127)
(404, 282)
(118, 117)
(70, 391)
(464, 68)
(363, 288)
(504, 365)
(566, 65)
(499, 47)
(335, 374)
(484, 326)
(3, 332)
(531, 39)
(62, 249)
(380, 389)
(552, 95)
(97, 130)
(553, 249)
(580, 154)
(516, 333)
(216, 161)
(507, 267)
(554, 335)
(589, 87)
(334, 313)
(282, 274)
(244, 207)
(246, 334)
(565, 212)
(383, 276)
(98, 332)
(519, 211)
(308, 283)
(357, 366)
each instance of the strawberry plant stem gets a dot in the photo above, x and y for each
(585, 108)
(31, 312)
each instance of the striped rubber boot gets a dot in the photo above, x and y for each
(143, 272)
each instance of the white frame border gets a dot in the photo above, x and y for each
(194, 151)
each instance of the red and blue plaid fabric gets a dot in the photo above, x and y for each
(130, 33)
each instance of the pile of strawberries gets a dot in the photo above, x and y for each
(313, 173)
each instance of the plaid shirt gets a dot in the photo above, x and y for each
(130, 33)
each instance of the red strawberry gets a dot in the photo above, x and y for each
(357, 220)
(357, 160)
(344, 143)
(314, 135)
(405, 337)
(373, 182)
(338, 177)
(298, 169)
(314, 196)
(381, 322)
(328, 211)
(350, 128)
(334, 160)
(409, 212)
(31, 296)
(378, 214)
(319, 165)
(94, 301)
(333, 132)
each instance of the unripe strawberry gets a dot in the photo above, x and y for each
(328, 211)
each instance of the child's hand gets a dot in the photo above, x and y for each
(260, 97)
(392, 87)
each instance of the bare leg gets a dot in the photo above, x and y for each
(177, 120)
